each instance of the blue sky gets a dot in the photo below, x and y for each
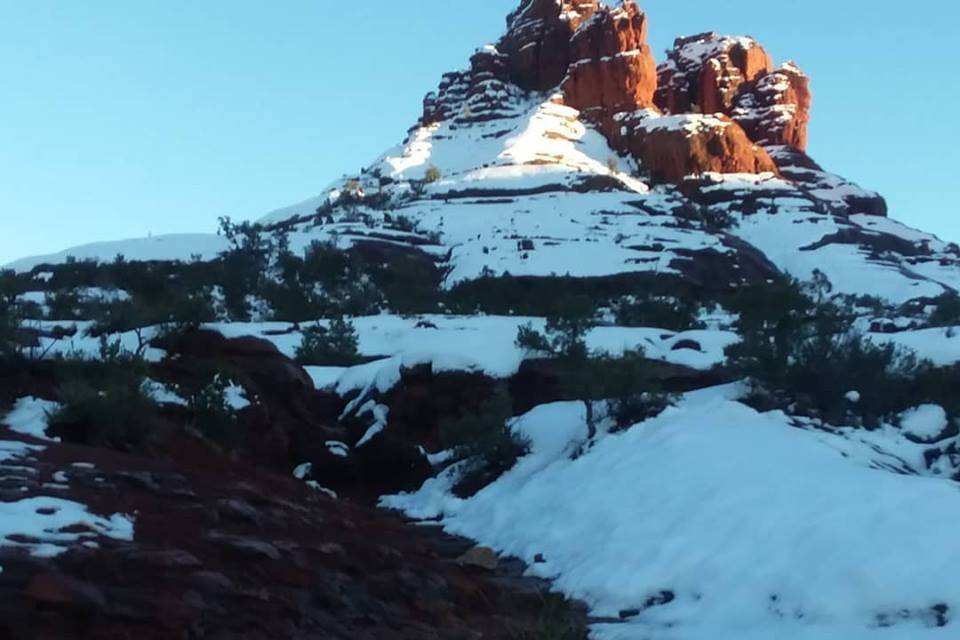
(120, 118)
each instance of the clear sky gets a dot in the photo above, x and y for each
(120, 118)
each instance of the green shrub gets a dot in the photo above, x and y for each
(9, 330)
(566, 329)
(245, 264)
(483, 442)
(624, 380)
(335, 345)
(675, 314)
(558, 619)
(801, 354)
(432, 175)
(946, 312)
(211, 413)
(104, 403)
(719, 220)
(65, 304)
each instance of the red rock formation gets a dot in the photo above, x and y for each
(776, 110)
(537, 43)
(709, 73)
(674, 147)
(481, 93)
(599, 57)
(613, 69)
(705, 72)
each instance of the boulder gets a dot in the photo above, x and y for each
(480, 558)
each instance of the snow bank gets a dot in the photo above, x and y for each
(756, 528)
(30, 415)
(941, 346)
(925, 422)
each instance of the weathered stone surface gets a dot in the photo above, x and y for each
(613, 69)
(60, 590)
(479, 94)
(481, 558)
(538, 38)
(671, 148)
(710, 73)
(704, 73)
(776, 109)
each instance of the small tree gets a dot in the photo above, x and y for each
(432, 175)
(484, 443)
(245, 264)
(800, 352)
(566, 329)
(104, 403)
(336, 345)
(946, 312)
(65, 304)
(211, 413)
(9, 330)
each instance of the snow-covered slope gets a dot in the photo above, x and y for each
(715, 522)
(536, 191)
(174, 247)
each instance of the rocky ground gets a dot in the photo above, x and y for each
(225, 550)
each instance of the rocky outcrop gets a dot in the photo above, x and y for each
(599, 59)
(704, 73)
(776, 110)
(537, 42)
(613, 69)
(673, 147)
(479, 94)
(709, 73)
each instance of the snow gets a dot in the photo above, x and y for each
(82, 345)
(39, 524)
(786, 238)
(45, 519)
(552, 430)
(302, 471)
(13, 451)
(325, 377)
(689, 123)
(174, 247)
(380, 414)
(162, 394)
(481, 344)
(337, 448)
(236, 397)
(925, 422)
(941, 346)
(29, 416)
(717, 504)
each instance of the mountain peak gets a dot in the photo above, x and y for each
(597, 60)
